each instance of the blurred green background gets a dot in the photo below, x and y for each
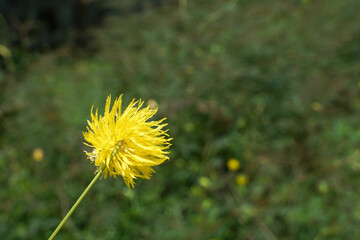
(262, 100)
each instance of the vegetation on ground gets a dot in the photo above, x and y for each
(262, 100)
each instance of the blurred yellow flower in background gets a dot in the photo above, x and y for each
(152, 104)
(38, 154)
(4, 51)
(317, 107)
(242, 179)
(125, 143)
(233, 164)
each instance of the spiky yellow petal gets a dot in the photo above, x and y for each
(126, 143)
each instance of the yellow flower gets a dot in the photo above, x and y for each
(4, 51)
(38, 154)
(152, 104)
(317, 107)
(241, 179)
(233, 164)
(126, 143)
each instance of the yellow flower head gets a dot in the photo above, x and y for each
(242, 179)
(38, 154)
(317, 107)
(125, 143)
(233, 164)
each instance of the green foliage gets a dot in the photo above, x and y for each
(274, 84)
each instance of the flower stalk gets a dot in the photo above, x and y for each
(123, 143)
(76, 204)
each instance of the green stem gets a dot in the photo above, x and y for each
(76, 204)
